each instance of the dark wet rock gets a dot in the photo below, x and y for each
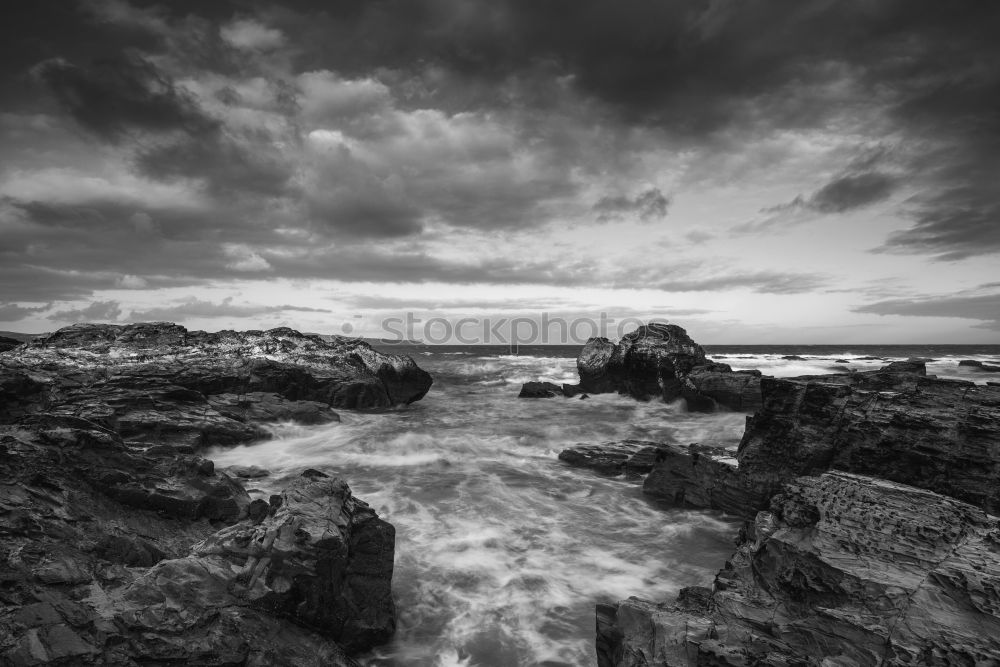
(914, 365)
(793, 357)
(540, 390)
(8, 343)
(703, 476)
(322, 558)
(923, 431)
(159, 383)
(248, 472)
(108, 555)
(108, 516)
(661, 361)
(843, 569)
(707, 388)
(979, 366)
(243, 377)
(629, 457)
(841, 361)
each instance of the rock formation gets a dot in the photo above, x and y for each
(120, 545)
(661, 360)
(162, 383)
(844, 569)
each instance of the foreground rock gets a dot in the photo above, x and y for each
(661, 361)
(8, 343)
(120, 545)
(540, 390)
(843, 569)
(160, 383)
(111, 554)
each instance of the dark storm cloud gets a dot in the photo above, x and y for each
(985, 307)
(117, 95)
(97, 310)
(852, 191)
(648, 205)
(198, 308)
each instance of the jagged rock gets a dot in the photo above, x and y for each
(661, 360)
(843, 569)
(629, 457)
(708, 387)
(162, 383)
(943, 435)
(97, 567)
(321, 557)
(703, 476)
(540, 390)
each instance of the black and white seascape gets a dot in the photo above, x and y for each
(493, 333)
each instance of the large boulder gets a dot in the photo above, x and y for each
(319, 556)
(662, 361)
(843, 569)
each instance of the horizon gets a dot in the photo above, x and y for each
(782, 170)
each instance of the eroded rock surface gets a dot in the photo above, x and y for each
(844, 569)
(942, 435)
(121, 545)
(629, 457)
(160, 383)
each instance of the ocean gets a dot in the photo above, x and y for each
(502, 550)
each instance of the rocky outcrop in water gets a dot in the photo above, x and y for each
(540, 390)
(661, 361)
(120, 544)
(843, 569)
(162, 383)
(628, 457)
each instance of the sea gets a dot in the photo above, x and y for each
(502, 550)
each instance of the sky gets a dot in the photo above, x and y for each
(780, 171)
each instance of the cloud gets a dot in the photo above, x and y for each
(851, 192)
(764, 282)
(198, 308)
(984, 307)
(95, 312)
(250, 35)
(12, 312)
(648, 205)
(120, 94)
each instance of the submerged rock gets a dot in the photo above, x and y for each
(540, 390)
(843, 569)
(661, 360)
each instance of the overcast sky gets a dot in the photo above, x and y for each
(797, 171)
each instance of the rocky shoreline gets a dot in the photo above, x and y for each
(121, 545)
(870, 536)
